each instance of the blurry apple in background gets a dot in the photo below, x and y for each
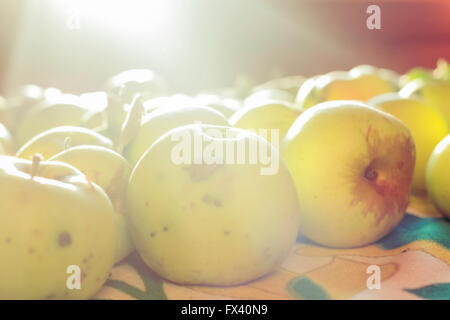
(52, 218)
(17, 103)
(67, 111)
(111, 172)
(268, 116)
(216, 224)
(158, 122)
(177, 99)
(127, 84)
(438, 176)
(435, 93)
(7, 145)
(353, 168)
(427, 126)
(225, 106)
(360, 83)
(55, 140)
(290, 84)
(269, 94)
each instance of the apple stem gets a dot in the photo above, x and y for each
(131, 124)
(35, 162)
(67, 141)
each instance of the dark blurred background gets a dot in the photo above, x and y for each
(196, 44)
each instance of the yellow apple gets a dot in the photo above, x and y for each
(426, 124)
(162, 120)
(55, 140)
(111, 172)
(52, 218)
(47, 115)
(360, 83)
(290, 84)
(206, 222)
(438, 176)
(7, 145)
(353, 168)
(266, 116)
(269, 94)
(435, 93)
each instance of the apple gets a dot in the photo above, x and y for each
(269, 94)
(206, 222)
(55, 140)
(353, 168)
(111, 172)
(415, 74)
(226, 106)
(360, 83)
(435, 93)
(290, 84)
(438, 176)
(7, 145)
(66, 110)
(17, 103)
(52, 218)
(265, 116)
(427, 126)
(162, 120)
(131, 82)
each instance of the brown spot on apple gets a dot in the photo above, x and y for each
(385, 175)
(206, 198)
(64, 239)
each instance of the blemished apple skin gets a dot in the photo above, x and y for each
(49, 222)
(210, 224)
(427, 126)
(53, 141)
(438, 176)
(111, 172)
(353, 168)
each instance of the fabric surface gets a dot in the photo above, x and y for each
(414, 262)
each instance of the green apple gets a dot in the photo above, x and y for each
(52, 218)
(211, 223)
(438, 176)
(111, 172)
(162, 120)
(353, 168)
(427, 126)
(55, 140)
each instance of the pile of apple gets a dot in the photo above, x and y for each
(87, 179)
